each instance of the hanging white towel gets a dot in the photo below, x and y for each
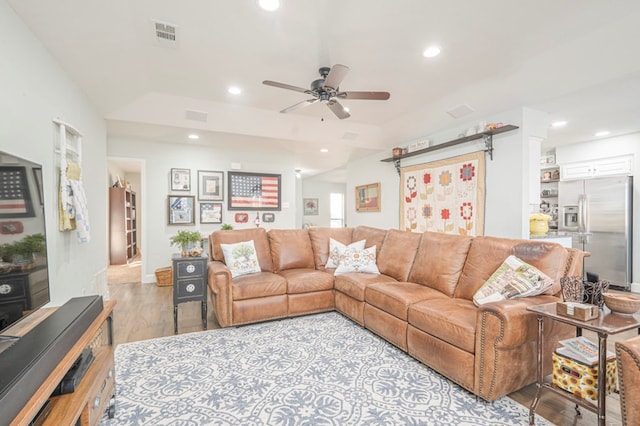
(74, 213)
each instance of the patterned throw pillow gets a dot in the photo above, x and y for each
(241, 258)
(336, 249)
(354, 260)
(514, 278)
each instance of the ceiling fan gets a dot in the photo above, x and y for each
(327, 90)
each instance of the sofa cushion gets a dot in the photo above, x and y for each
(397, 253)
(258, 285)
(320, 242)
(354, 284)
(487, 254)
(241, 258)
(354, 260)
(450, 320)
(260, 241)
(396, 297)
(337, 249)
(290, 249)
(439, 261)
(514, 278)
(306, 280)
(373, 236)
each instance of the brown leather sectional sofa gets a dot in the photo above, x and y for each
(421, 301)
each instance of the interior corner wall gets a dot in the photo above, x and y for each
(36, 90)
(322, 191)
(506, 193)
(161, 157)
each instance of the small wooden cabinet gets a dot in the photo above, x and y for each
(122, 226)
(23, 290)
(189, 284)
(95, 393)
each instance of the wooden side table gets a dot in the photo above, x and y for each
(189, 284)
(607, 323)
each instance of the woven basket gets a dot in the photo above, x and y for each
(164, 276)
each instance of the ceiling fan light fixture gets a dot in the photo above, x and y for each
(269, 5)
(431, 52)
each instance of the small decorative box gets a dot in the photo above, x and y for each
(579, 311)
(581, 379)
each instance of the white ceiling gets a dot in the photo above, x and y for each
(576, 59)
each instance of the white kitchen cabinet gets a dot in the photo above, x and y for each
(596, 168)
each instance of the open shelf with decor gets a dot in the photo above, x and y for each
(486, 135)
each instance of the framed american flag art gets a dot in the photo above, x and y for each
(253, 191)
(15, 197)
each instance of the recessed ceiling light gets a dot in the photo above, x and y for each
(194, 136)
(235, 90)
(431, 52)
(602, 133)
(324, 150)
(559, 123)
(269, 5)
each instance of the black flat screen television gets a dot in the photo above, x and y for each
(24, 275)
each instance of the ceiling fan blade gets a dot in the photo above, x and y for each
(336, 75)
(338, 109)
(376, 96)
(299, 105)
(286, 86)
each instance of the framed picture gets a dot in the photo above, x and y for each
(180, 209)
(253, 191)
(210, 212)
(368, 198)
(15, 198)
(210, 185)
(268, 217)
(310, 206)
(180, 179)
(242, 217)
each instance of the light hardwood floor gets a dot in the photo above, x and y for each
(145, 311)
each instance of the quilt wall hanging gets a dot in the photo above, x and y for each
(444, 196)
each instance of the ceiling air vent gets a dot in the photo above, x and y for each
(165, 33)
(460, 111)
(196, 115)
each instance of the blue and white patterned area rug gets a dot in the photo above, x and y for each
(314, 370)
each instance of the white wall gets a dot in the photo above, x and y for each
(612, 147)
(321, 190)
(34, 91)
(160, 158)
(508, 182)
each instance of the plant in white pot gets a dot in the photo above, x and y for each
(188, 241)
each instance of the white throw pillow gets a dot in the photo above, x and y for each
(241, 258)
(336, 249)
(354, 260)
(514, 278)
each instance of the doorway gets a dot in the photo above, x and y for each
(125, 217)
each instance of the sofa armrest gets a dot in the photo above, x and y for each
(506, 345)
(513, 324)
(220, 284)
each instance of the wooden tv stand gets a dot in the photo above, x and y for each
(97, 388)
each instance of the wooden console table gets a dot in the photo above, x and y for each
(91, 398)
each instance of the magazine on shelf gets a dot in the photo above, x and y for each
(581, 349)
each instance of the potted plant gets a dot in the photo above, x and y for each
(226, 227)
(188, 242)
(22, 252)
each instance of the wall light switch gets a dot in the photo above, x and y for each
(236, 166)
(285, 205)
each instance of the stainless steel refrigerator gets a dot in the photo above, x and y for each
(598, 214)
